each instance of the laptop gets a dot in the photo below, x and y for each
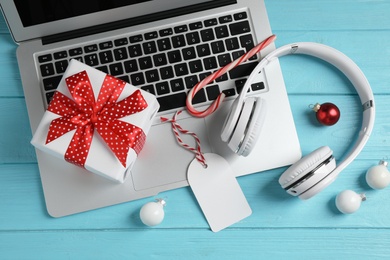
(164, 47)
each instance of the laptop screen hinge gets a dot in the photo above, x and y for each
(134, 21)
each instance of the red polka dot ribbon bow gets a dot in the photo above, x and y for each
(86, 115)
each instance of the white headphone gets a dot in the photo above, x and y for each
(315, 171)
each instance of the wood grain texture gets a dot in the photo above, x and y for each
(280, 227)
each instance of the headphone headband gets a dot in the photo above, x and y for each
(348, 68)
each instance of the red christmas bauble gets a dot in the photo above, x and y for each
(327, 113)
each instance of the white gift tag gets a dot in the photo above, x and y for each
(217, 191)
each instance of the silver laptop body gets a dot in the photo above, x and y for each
(89, 30)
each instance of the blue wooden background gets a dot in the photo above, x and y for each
(280, 226)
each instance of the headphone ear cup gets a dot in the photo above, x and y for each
(242, 126)
(308, 171)
(255, 124)
(231, 121)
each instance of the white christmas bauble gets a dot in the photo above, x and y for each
(349, 201)
(152, 213)
(378, 177)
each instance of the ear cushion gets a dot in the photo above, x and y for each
(231, 121)
(241, 125)
(304, 166)
(255, 124)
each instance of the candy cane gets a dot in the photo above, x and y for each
(214, 106)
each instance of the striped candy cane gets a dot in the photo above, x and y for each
(214, 106)
(176, 129)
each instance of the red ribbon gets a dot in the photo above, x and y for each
(86, 115)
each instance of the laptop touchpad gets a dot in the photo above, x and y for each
(163, 161)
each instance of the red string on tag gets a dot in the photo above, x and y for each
(176, 129)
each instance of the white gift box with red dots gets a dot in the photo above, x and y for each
(100, 159)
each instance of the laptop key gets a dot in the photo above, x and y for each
(200, 97)
(131, 66)
(177, 85)
(224, 59)
(172, 101)
(162, 88)
(196, 26)
(174, 56)
(145, 63)
(203, 50)
(166, 32)
(75, 52)
(80, 59)
(120, 42)
(166, 72)
(239, 28)
(51, 83)
(106, 57)
(116, 69)
(191, 81)
(49, 96)
(152, 76)
(103, 69)
(124, 78)
(136, 38)
(225, 19)
(247, 42)
(180, 29)
(258, 86)
(189, 53)
(240, 84)
(221, 31)
(237, 54)
(240, 16)
(120, 54)
(181, 69)
(232, 44)
(90, 48)
(150, 35)
(47, 69)
(195, 66)
(210, 22)
(210, 63)
(149, 88)
(212, 92)
(229, 92)
(137, 79)
(135, 50)
(207, 35)
(164, 44)
(242, 70)
(221, 78)
(217, 47)
(45, 58)
(192, 38)
(160, 59)
(60, 55)
(105, 45)
(149, 47)
(178, 41)
(61, 66)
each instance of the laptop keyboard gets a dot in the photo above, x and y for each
(167, 62)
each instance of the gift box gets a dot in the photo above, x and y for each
(96, 121)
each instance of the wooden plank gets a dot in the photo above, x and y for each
(334, 15)
(197, 244)
(15, 132)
